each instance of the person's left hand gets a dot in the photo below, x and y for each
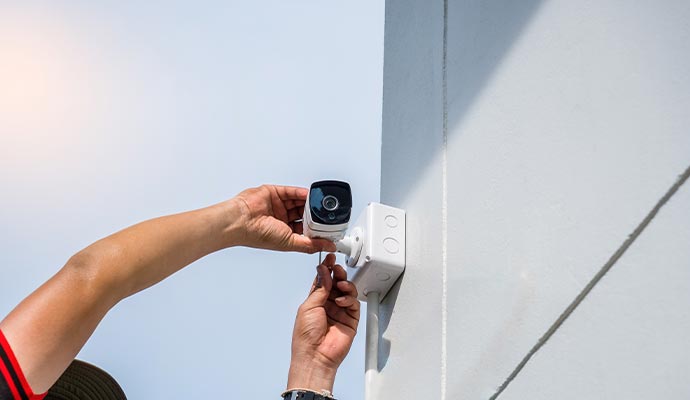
(271, 219)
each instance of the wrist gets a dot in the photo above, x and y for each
(231, 227)
(311, 375)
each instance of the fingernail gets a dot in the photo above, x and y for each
(341, 298)
(318, 277)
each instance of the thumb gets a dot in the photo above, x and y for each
(323, 245)
(307, 245)
(321, 289)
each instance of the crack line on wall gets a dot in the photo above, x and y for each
(444, 209)
(595, 280)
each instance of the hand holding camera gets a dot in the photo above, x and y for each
(271, 219)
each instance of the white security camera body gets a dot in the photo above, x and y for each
(327, 210)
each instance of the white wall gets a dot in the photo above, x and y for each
(530, 143)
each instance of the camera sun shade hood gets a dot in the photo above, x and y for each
(315, 226)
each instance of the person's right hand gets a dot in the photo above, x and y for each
(325, 327)
(270, 219)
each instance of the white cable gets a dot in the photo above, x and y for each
(371, 359)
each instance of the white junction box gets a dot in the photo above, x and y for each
(377, 256)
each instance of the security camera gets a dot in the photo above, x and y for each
(327, 211)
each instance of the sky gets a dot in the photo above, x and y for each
(114, 112)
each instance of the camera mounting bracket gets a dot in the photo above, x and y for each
(375, 249)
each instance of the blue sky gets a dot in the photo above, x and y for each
(116, 112)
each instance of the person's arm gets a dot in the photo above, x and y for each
(325, 327)
(49, 328)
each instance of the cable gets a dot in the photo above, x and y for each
(371, 359)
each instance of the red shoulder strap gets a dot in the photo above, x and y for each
(13, 375)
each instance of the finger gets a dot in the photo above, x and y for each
(330, 259)
(301, 244)
(297, 227)
(293, 214)
(300, 212)
(290, 204)
(335, 293)
(291, 192)
(347, 328)
(347, 288)
(323, 245)
(342, 315)
(278, 208)
(279, 212)
(347, 302)
(321, 288)
(339, 273)
(304, 244)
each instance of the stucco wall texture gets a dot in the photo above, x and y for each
(541, 151)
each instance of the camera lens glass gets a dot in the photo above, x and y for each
(330, 203)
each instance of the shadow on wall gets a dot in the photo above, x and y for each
(479, 36)
(385, 311)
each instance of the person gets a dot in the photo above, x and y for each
(40, 338)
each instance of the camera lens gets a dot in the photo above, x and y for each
(330, 203)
